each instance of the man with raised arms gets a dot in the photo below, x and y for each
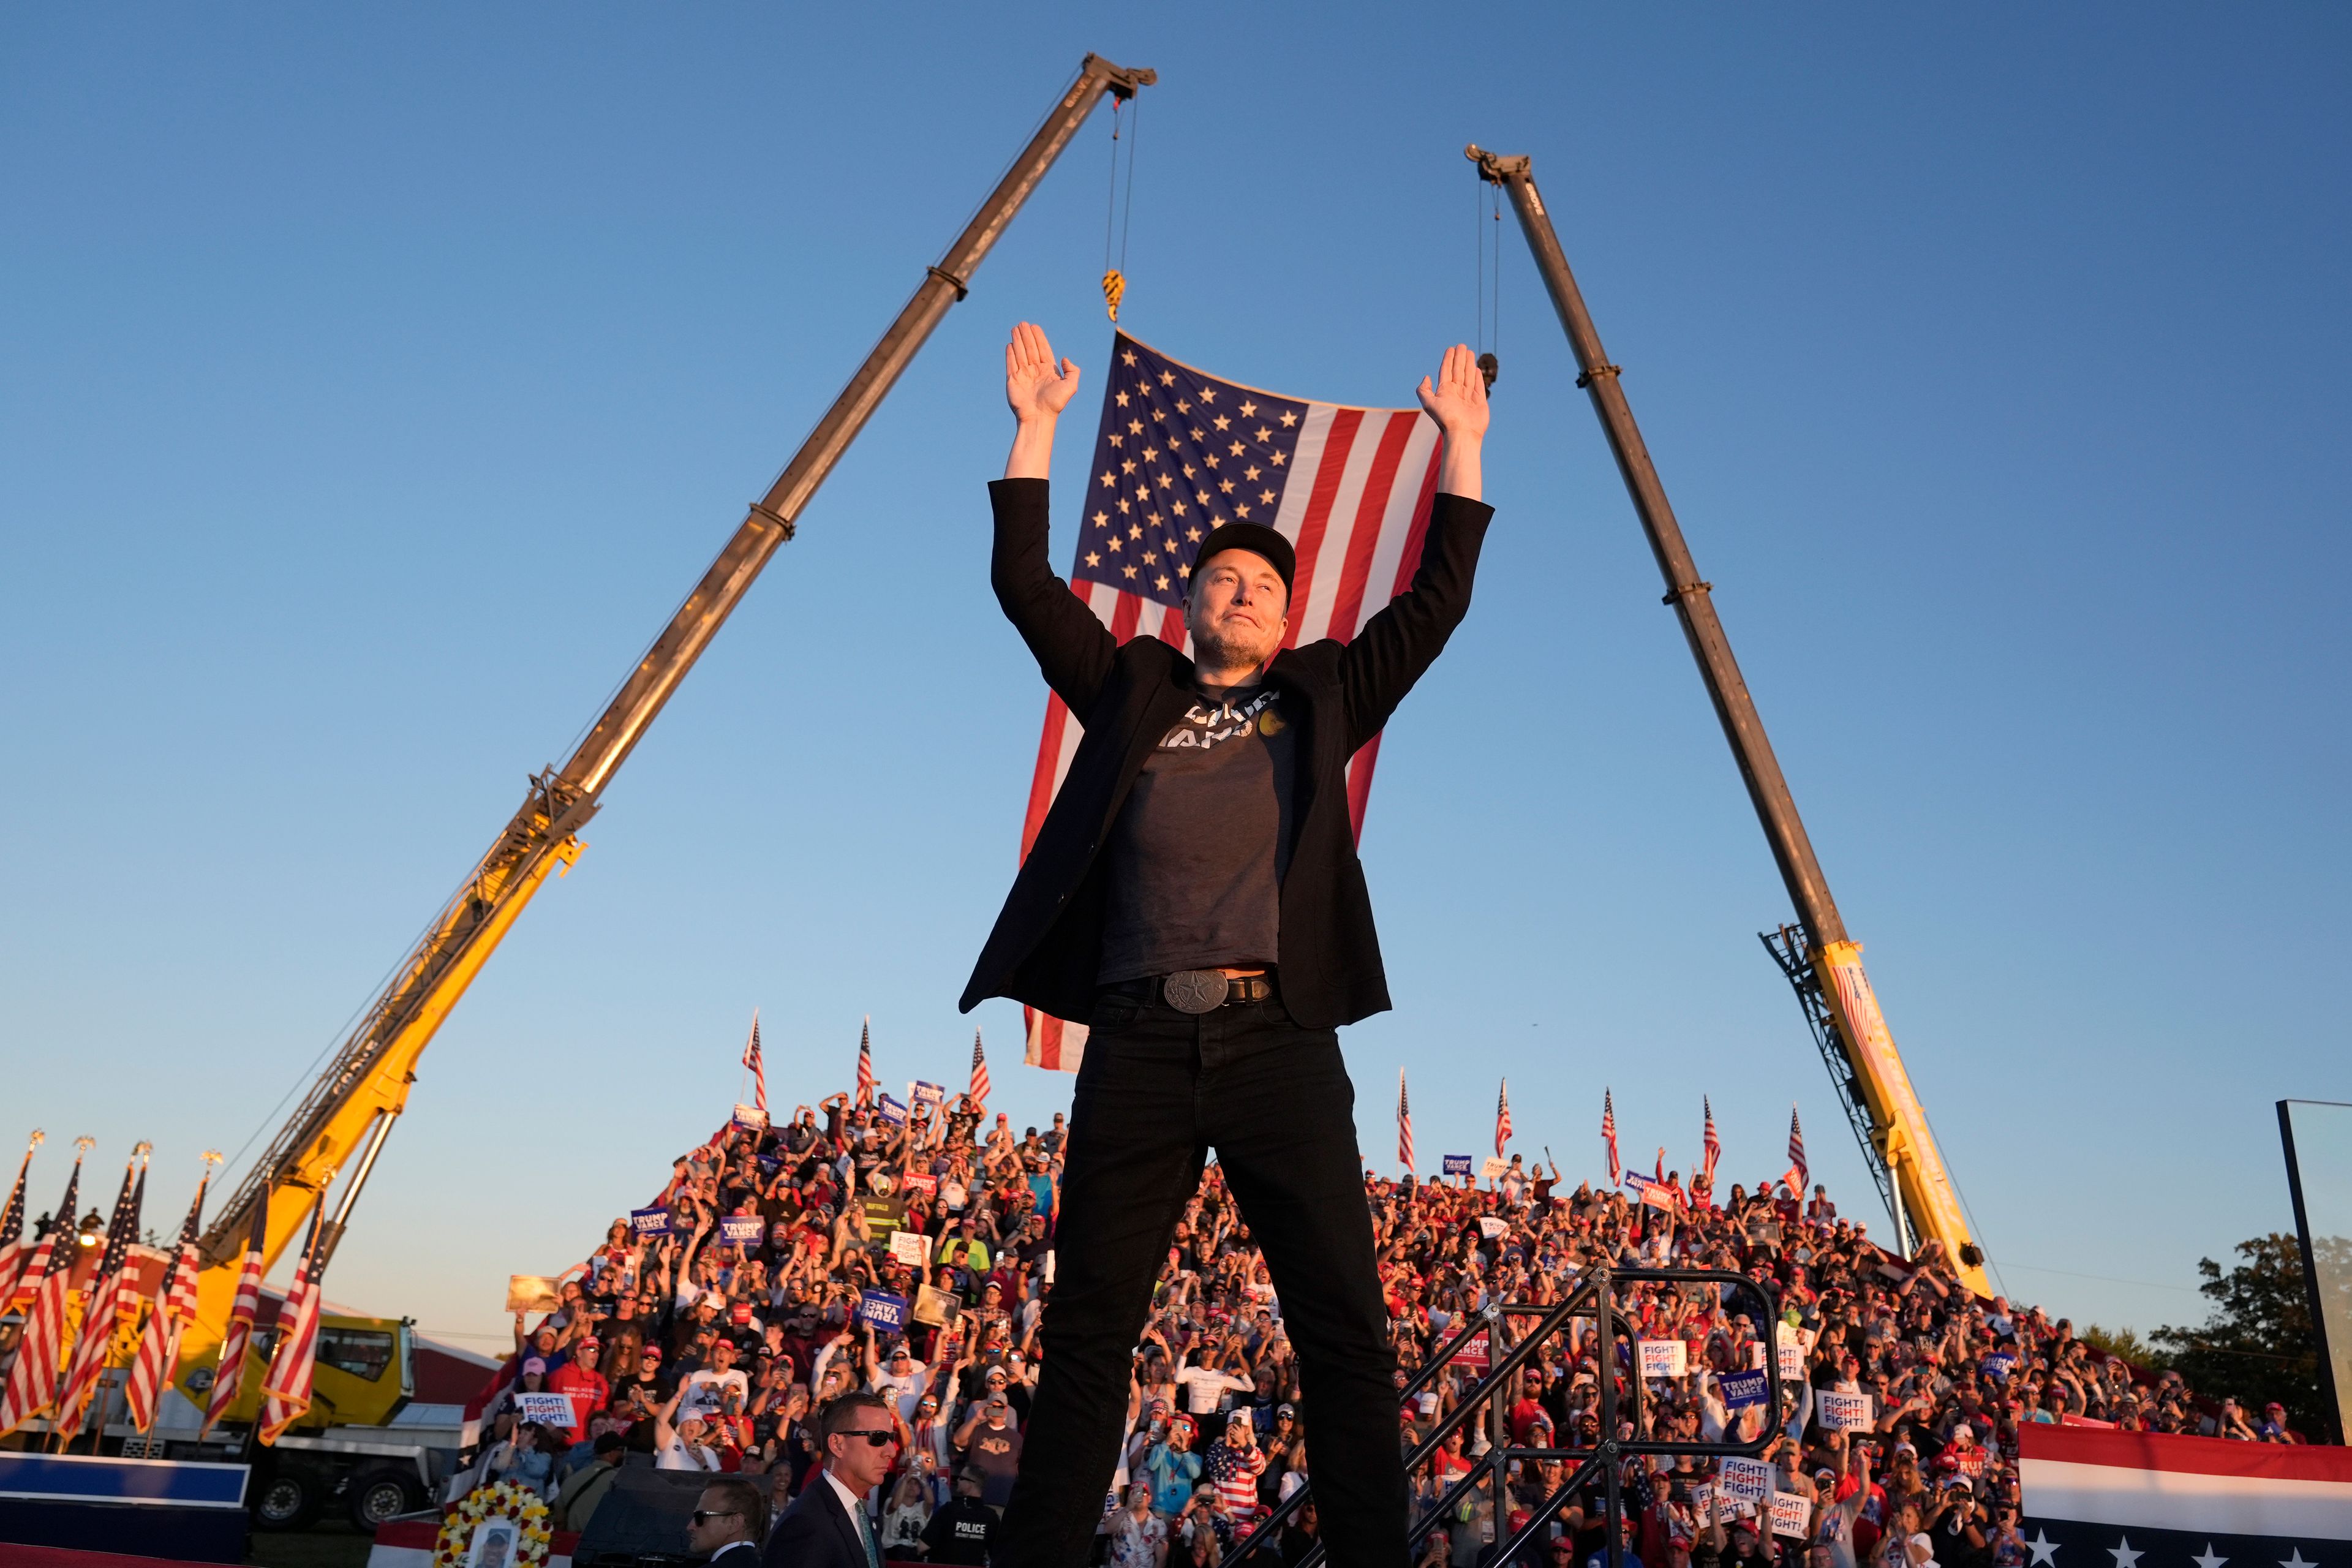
(1195, 898)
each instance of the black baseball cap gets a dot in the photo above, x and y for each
(1258, 540)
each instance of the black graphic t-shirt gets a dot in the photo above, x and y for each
(1198, 852)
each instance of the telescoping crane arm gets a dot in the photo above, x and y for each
(350, 1109)
(1819, 959)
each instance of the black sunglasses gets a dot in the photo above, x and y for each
(872, 1439)
(702, 1516)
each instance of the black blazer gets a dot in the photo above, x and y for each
(816, 1531)
(1047, 948)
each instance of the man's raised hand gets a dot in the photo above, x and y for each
(1036, 385)
(1456, 397)
(1037, 388)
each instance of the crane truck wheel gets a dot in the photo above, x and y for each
(375, 1496)
(286, 1500)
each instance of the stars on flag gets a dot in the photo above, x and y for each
(1173, 440)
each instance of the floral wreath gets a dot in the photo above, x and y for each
(494, 1499)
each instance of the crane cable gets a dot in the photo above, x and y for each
(1490, 201)
(1115, 218)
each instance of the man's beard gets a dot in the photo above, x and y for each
(1235, 650)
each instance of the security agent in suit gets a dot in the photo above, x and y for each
(728, 1521)
(827, 1525)
(1195, 898)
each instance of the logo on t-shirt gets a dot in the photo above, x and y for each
(1206, 725)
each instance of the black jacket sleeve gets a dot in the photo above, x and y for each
(1073, 649)
(1397, 646)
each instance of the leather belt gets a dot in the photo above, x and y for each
(1197, 990)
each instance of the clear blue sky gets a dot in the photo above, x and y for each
(376, 383)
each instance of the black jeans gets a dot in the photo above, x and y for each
(1159, 1089)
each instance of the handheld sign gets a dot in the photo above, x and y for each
(1748, 1480)
(532, 1293)
(908, 1246)
(1493, 1168)
(1791, 1514)
(1476, 1353)
(1702, 1499)
(741, 1228)
(882, 1308)
(1664, 1358)
(643, 1223)
(935, 1307)
(1490, 1226)
(892, 1112)
(752, 1116)
(921, 1094)
(1755, 1355)
(1844, 1411)
(918, 1183)
(1741, 1389)
(547, 1409)
(1457, 1165)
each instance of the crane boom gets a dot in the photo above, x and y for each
(349, 1109)
(1822, 961)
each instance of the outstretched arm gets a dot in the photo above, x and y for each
(1038, 388)
(1073, 649)
(1401, 642)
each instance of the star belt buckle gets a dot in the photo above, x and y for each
(1196, 990)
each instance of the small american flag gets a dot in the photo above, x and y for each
(175, 1305)
(758, 1069)
(13, 1250)
(293, 1362)
(229, 1377)
(1609, 1138)
(1710, 1146)
(1502, 1118)
(980, 1087)
(865, 1078)
(1404, 1127)
(33, 1377)
(1179, 451)
(1796, 1176)
(110, 1290)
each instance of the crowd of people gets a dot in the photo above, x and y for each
(906, 1253)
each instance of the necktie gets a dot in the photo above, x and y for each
(865, 1534)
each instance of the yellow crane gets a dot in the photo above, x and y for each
(1819, 959)
(342, 1122)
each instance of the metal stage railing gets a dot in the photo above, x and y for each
(1595, 1296)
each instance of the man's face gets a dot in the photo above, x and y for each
(855, 1458)
(1235, 608)
(714, 1524)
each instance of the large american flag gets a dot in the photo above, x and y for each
(1609, 1137)
(980, 1087)
(1502, 1118)
(1710, 1146)
(110, 1290)
(175, 1307)
(1796, 1176)
(228, 1376)
(287, 1389)
(1404, 1126)
(33, 1376)
(1179, 451)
